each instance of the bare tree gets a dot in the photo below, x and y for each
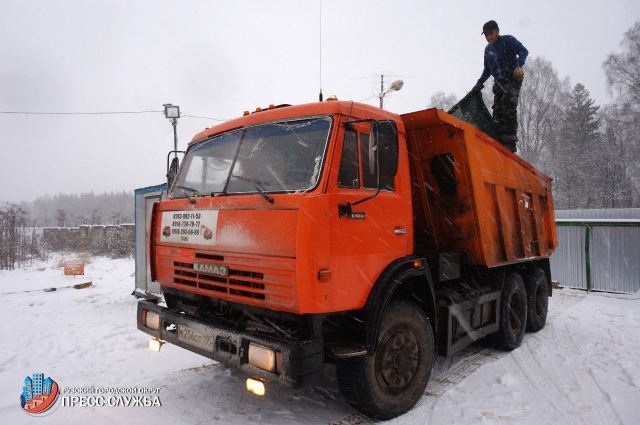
(96, 217)
(623, 70)
(61, 218)
(616, 188)
(540, 110)
(442, 101)
(623, 82)
(15, 243)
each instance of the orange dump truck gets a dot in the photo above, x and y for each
(337, 232)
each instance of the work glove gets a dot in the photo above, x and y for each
(518, 74)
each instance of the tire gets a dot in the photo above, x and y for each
(392, 380)
(513, 313)
(537, 300)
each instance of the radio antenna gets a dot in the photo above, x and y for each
(320, 96)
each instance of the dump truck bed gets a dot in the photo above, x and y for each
(475, 197)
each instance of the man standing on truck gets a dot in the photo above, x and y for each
(504, 58)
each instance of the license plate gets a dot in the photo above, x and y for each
(195, 338)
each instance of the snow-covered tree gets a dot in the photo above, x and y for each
(576, 154)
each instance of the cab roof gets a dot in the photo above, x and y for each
(330, 107)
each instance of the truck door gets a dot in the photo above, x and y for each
(380, 230)
(144, 200)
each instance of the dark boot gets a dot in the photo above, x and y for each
(509, 142)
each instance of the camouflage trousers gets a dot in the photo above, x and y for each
(505, 105)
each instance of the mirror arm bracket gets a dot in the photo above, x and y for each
(172, 170)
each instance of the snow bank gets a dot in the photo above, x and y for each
(583, 368)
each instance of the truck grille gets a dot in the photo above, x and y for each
(267, 282)
(235, 284)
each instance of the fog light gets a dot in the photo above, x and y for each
(155, 344)
(151, 319)
(262, 357)
(255, 386)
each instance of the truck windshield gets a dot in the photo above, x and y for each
(281, 156)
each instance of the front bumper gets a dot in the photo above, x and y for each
(301, 360)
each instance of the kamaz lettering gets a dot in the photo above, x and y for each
(213, 269)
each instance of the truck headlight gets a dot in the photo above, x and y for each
(262, 357)
(151, 319)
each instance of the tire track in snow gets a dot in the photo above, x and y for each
(353, 419)
(450, 371)
(565, 388)
(566, 300)
(539, 389)
(592, 393)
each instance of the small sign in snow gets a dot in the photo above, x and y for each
(74, 267)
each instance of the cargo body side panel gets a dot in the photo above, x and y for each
(477, 197)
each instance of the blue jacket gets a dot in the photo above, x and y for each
(502, 58)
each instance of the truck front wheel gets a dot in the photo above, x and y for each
(392, 380)
(513, 313)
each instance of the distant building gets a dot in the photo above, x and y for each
(47, 385)
(37, 383)
(27, 390)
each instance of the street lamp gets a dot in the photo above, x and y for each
(173, 113)
(395, 86)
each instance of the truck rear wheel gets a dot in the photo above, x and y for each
(513, 313)
(537, 300)
(392, 380)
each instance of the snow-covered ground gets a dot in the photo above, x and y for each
(582, 368)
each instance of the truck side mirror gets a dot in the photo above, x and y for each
(172, 172)
(383, 147)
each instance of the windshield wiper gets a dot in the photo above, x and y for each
(259, 185)
(250, 180)
(186, 189)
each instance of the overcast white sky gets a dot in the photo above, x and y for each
(216, 59)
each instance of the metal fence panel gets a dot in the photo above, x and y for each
(599, 214)
(568, 261)
(615, 258)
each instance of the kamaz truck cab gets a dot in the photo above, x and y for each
(339, 232)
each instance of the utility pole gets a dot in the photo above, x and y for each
(395, 86)
(381, 90)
